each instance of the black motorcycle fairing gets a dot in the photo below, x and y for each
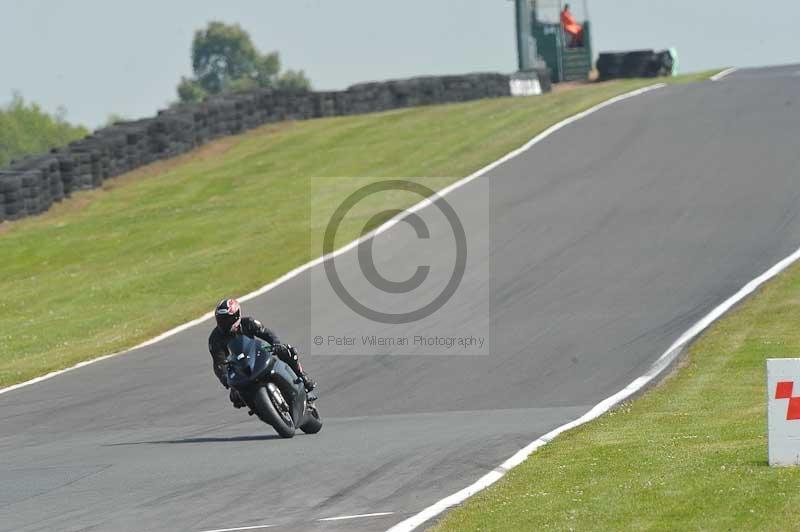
(291, 387)
(250, 360)
(252, 364)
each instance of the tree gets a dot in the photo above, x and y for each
(225, 59)
(293, 80)
(267, 68)
(114, 118)
(26, 129)
(189, 90)
(221, 54)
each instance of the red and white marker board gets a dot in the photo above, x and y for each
(783, 411)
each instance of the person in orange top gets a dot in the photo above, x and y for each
(571, 28)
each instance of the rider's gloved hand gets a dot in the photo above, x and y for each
(281, 351)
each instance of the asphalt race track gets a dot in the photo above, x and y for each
(608, 240)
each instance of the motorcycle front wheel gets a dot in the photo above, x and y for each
(272, 408)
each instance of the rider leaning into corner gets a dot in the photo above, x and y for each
(231, 323)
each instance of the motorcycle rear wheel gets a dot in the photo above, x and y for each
(314, 423)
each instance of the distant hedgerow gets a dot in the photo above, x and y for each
(26, 129)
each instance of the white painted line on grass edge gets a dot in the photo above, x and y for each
(728, 71)
(240, 528)
(600, 408)
(356, 516)
(384, 227)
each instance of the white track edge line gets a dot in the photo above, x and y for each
(356, 516)
(600, 408)
(386, 225)
(719, 75)
(240, 528)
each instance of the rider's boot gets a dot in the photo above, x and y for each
(294, 362)
(308, 382)
(236, 399)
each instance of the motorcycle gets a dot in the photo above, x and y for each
(270, 388)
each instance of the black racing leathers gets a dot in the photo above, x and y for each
(218, 347)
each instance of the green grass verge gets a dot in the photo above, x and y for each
(111, 268)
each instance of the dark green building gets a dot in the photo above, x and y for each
(541, 41)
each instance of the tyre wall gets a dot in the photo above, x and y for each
(637, 64)
(31, 185)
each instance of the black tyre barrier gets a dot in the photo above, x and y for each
(544, 79)
(30, 186)
(11, 188)
(635, 64)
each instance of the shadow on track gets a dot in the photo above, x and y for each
(263, 437)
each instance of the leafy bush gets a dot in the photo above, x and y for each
(26, 129)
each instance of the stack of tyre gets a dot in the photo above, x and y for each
(127, 145)
(11, 195)
(31, 185)
(636, 64)
(358, 98)
(323, 103)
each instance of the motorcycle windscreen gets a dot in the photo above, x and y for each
(242, 350)
(251, 356)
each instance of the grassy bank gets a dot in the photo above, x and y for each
(112, 267)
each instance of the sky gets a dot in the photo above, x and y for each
(97, 57)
